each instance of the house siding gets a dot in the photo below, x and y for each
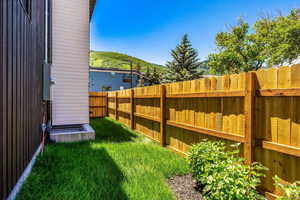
(114, 80)
(70, 69)
(22, 108)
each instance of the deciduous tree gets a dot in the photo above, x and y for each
(238, 51)
(273, 41)
(280, 37)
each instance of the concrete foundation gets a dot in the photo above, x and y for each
(72, 133)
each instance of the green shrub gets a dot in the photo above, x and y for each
(222, 173)
(290, 191)
(206, 158)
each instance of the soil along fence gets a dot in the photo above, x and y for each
(260, 110)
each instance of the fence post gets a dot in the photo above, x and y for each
(106, 104)
(116, 108)
(249, 104)
(132, 109)
(163, 115)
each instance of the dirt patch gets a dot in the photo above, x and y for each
(185, 187)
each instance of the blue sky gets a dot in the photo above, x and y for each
(149, 29)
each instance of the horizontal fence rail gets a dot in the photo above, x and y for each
(260, 110)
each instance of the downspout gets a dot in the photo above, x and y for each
(45, 123)
(46, 31)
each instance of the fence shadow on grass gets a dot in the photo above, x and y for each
(108, 130)
(75, 171)
(106, 177)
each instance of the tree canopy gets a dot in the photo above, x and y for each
(272, 41)
(280, 37)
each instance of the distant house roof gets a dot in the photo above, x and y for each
(121, 71)
(92, 7)
(294, 62)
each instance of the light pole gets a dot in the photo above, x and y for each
(131, 76)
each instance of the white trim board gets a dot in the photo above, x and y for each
(25, 174)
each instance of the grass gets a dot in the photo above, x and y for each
(120, 61)
(120, 164)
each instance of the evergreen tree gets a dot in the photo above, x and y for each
(147, 74)
(185, 64)
(154, 77)
(138, 67)
(141, 82)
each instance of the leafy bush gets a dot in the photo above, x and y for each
(290, 191)
(222, 173)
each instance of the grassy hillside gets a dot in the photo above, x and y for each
(120, 61)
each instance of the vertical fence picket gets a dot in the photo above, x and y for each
(163, 115)
(132, 109)
(106, 105)
(116, 104)
(249, 117)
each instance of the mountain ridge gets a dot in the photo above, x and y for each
(108, 59)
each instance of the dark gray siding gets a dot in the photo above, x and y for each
(21, 82)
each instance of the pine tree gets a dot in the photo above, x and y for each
(185, 64)
(138, 67)
(154, 77)
(147, 74)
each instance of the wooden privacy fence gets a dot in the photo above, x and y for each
(98, 104)
(260, 110)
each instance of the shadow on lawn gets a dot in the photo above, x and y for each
(105, 177)
(80, 170)
(108, 130)
(74, 172)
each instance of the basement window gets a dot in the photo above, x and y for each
(126, 78)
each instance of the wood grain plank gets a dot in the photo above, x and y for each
(283, 121)
(146, 117)
(208, 94)
(285, 149)
(295, 107)
(146, 96)
(132, 110)
(179, 152)
(272, 126)
(289, 92)
(163, 115)
(249, 118)
(224, 135)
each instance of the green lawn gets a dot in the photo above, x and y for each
(120, 164)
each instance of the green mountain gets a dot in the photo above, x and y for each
(120, 61)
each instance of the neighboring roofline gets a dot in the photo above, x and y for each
(121, 71)
(92, 7)
(208, 76)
